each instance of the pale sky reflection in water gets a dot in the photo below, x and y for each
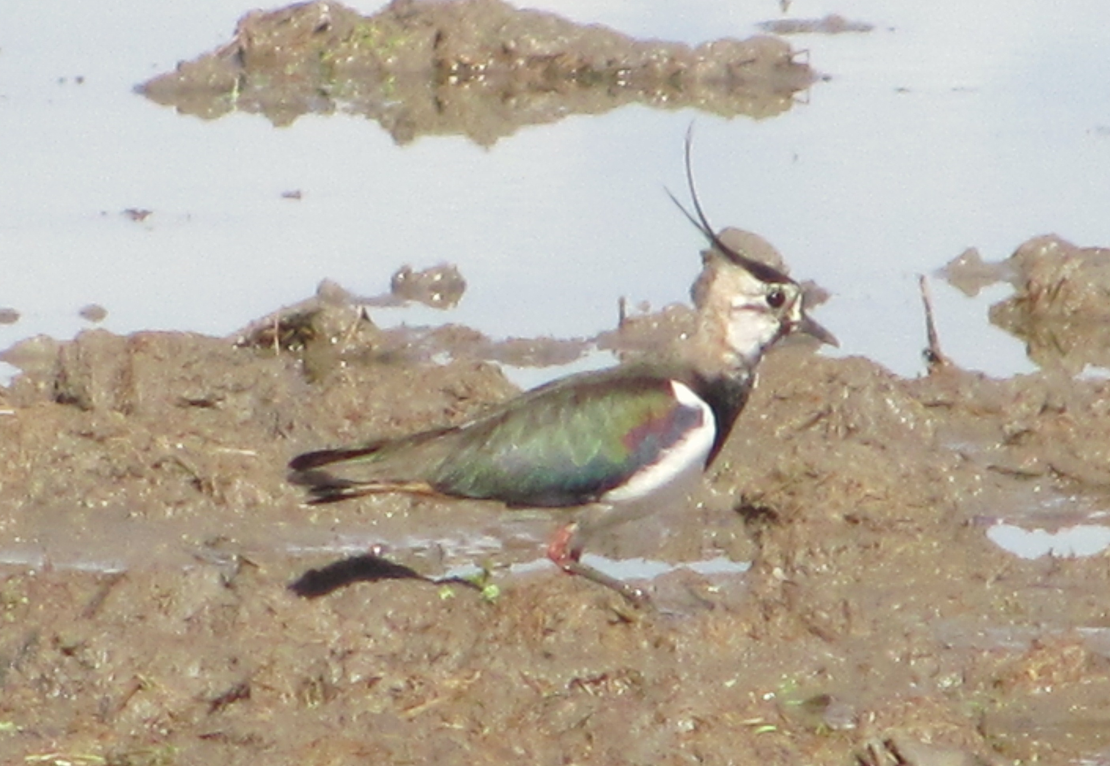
(939, 130)
(945, 127)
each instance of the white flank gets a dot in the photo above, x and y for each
(691, 451)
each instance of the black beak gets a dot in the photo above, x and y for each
(813, 329)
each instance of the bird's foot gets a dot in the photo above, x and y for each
(566, 552)
(634, 594)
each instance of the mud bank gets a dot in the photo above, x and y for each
(478, 68)
(150, 539)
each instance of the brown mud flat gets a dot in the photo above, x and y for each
(477, 68)
(150, 539)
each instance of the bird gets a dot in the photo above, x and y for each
(601, 444)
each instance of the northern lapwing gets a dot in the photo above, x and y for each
(607, 442)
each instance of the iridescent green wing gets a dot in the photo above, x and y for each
(568, 444)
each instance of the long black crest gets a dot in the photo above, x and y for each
(758, 269)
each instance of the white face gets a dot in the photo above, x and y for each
(759, 314)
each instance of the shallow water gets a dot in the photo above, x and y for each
(936, 131)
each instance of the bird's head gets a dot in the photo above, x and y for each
(747, 305)
(744, 304)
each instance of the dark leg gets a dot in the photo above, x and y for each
(565, 550)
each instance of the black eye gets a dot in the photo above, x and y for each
(776, 297)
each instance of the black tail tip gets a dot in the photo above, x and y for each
(310, 460)
(322, 487)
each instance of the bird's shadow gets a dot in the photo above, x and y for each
(363, 568)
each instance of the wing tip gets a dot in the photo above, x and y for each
(323, 487)
(309, 460)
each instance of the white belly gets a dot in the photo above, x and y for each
(685, 456)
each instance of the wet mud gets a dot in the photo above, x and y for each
(477, 68)
(830, 593)
(1061, 304)
(150, 542)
